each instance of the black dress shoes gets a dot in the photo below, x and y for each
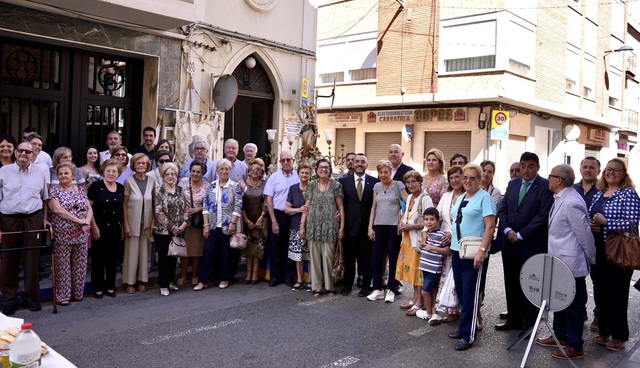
(34, 306)
(504, 315)
(364, 292)
(273, 282)
(454, 335)
(508, 325)
(345, 291)
(462, 345)
(9, 309)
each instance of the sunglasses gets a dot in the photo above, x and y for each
(25, 151)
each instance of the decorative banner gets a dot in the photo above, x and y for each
(500, 125)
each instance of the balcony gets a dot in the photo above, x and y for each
(163, 15)
(630, 122)
(630, 63)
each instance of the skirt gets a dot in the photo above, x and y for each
(408, 265)
(298, 248)
(195, 241)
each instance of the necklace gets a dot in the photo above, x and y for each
(384, 189)
(252, 184)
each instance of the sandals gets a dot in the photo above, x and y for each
(130, 289)
(200, 286)
(181, 280)
(412, 311)
(407, 305)
(331, 292)
(614, 345)
(142, 287)
(601, 340)
(316, 293)
(308, 286)
(297, 286)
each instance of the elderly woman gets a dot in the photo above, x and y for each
(107, 198)
(91, 165)
(448, 200)
(613, 206)
(194, 189)
(222, 207)
(475, 215)
(295, 207)
(170, 208)
(70, 217)
(324, 198)
(7, 145)
(63, 154)
(138, 218)
(383, 230)
(435, 182)
(408, 266)
(121, 155)
(254, 215)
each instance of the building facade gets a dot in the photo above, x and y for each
(76, 70)
(446, 72)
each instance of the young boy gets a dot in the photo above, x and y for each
(431, 252)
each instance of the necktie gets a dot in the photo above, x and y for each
(359, 188)
(523, 191)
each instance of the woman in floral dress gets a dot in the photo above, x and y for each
(295, 207)
(324, 198)
(435, 182)
(254, 215)
(70, 217)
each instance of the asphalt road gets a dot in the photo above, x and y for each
(259, 326)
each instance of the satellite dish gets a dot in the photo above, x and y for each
(225, 93)
(572, 132)
(407, 132)
(545, 277)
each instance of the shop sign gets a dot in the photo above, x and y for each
(597, 135)
(444, 115)
(344, 118)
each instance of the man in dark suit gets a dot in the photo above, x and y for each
(395, 157)
(523, 214)
(358, 198)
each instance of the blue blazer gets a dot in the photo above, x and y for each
(357, 212)
(529, 219)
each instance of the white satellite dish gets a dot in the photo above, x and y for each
(407, 132)
(225, 93)
(572, 132)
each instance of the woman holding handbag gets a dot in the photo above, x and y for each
(194, 189)
(410, 227)
(171, 220)
(475, 217)
(137, 216)
(222, 207)
(613, 206)
(254, 215)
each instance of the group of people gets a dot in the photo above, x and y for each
(399, 226)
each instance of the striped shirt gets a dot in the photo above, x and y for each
(431, 261)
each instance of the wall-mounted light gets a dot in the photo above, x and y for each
(606, 53)
(250, 62)
(271, 135)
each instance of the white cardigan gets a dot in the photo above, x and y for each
(444, 207)
(414, 216)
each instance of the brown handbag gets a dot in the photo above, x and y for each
(623, 248)
(338, 263)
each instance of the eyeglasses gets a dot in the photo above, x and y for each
(255, 169)
(162, 161)
(170, 174)
(469, 178)
(25, 151)
(611, 170)
(556, 176)
(323, 167)
(200, 149)
(286, 159)
(120, 155)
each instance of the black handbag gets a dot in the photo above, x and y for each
(197, 220)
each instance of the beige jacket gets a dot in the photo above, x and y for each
(136, 199)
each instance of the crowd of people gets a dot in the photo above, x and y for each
(397, 227)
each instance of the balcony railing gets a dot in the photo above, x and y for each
(630, 62)
(631, 120)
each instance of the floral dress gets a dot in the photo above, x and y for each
(192, 235)
(298, 248)
(436, 189)
(321, 226)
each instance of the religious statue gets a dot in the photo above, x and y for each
(309, 133)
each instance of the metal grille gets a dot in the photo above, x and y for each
(18, 113)
(30, 66)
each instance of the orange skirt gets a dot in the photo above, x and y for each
(408, 266)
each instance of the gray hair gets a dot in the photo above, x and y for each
(224, 162)
(231, 140)
(250, 145)
(201, 143)
(566, 172)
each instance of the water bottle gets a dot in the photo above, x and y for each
(25, 349)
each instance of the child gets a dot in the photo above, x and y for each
(431, 252)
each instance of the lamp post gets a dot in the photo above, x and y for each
(271, 136)
(604, 59)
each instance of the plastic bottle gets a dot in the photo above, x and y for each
(25, 350)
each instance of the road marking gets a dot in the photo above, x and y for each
(321, 300)
(421, 331)
(191, 331)
(346, 361)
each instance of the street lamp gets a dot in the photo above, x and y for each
(604, 59)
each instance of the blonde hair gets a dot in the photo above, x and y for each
(439, 155)
(137, 157)
(626, 182)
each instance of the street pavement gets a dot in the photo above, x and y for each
(260, 326)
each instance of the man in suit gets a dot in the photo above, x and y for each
(395, 157)
(571, 240)
(358, 199)
(523, 215)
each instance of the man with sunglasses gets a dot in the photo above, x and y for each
(523, 214)
(23, 191)
(277, 188)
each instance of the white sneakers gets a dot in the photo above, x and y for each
(390, 297)
(376, 295)
(435, 320)
(422, 314)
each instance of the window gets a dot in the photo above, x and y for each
(589, 77)
(348, 59)
(520, 46)
(573, 70)
(470, 46)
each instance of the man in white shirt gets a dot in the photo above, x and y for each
(114, 139)
(42, 156)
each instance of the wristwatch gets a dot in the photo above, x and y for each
(483, 249)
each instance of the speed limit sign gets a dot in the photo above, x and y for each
(500, 124)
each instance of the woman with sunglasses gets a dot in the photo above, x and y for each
(475, 215)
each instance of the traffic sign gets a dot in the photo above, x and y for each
(500, 124)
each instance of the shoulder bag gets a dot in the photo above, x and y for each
(469, 245)
(196, 218)
(623, 248)
(177, 247)
(401, 201)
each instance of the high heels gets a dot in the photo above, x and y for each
(164, 292)
(200, 286)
